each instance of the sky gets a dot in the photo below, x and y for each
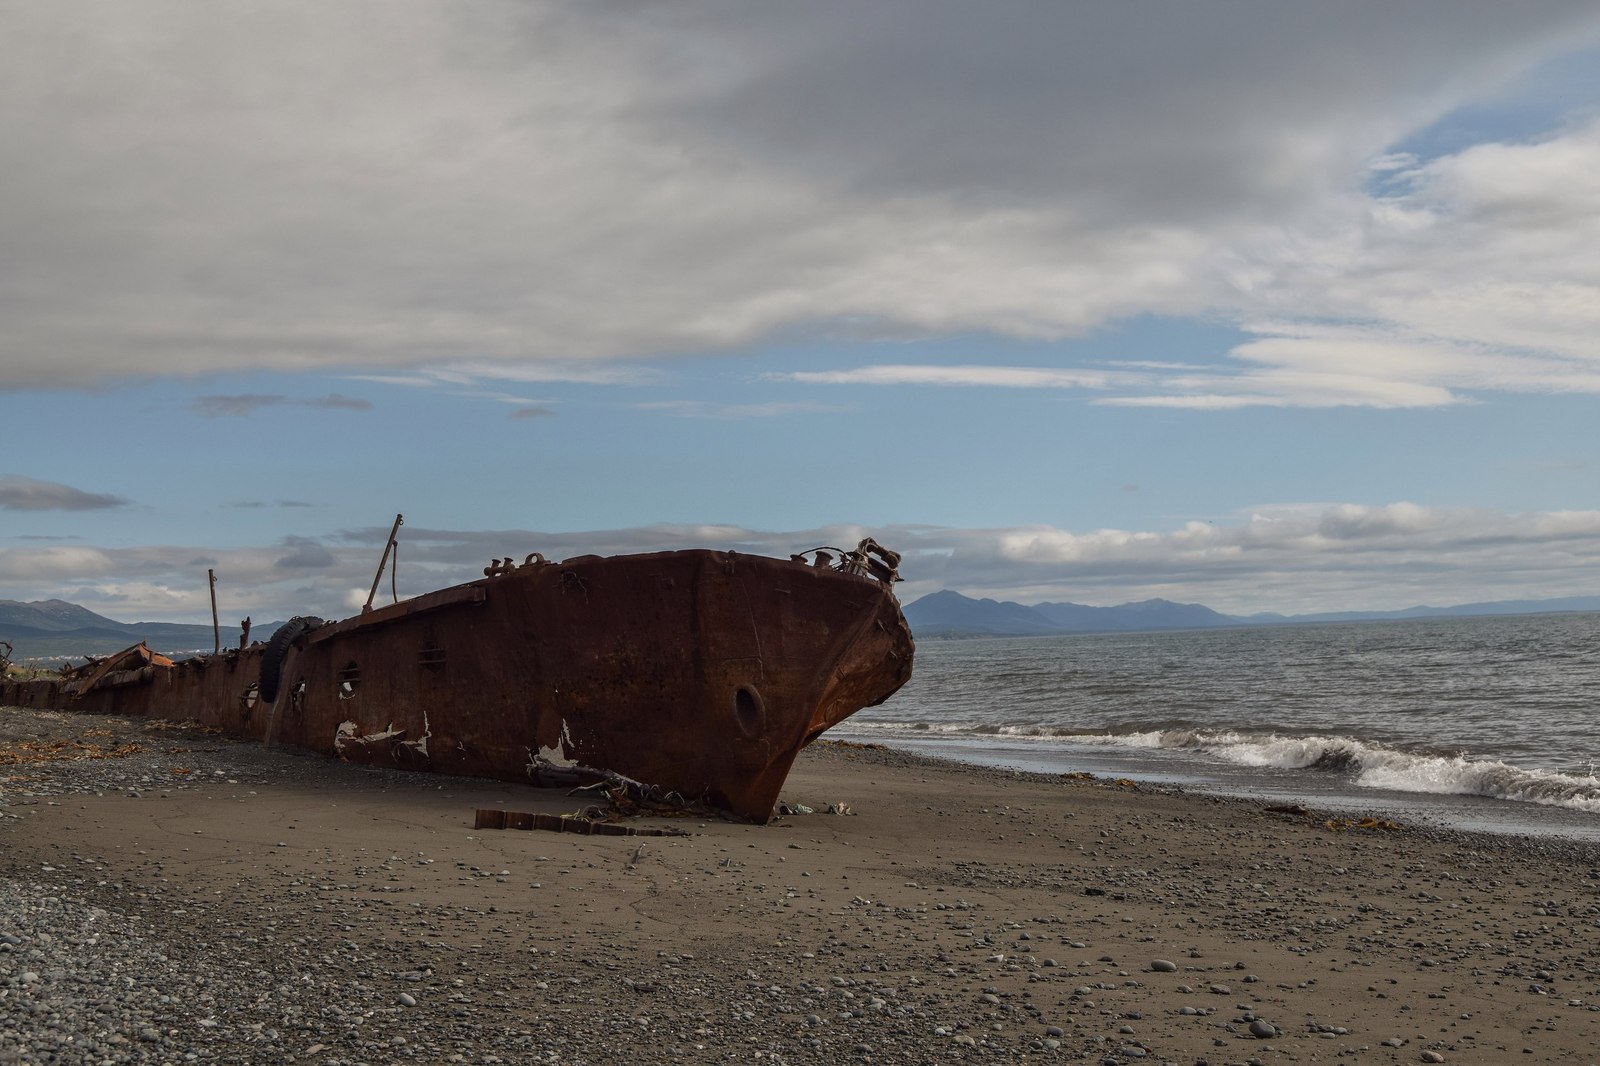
(1272, 307)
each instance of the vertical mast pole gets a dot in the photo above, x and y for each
(216, 633)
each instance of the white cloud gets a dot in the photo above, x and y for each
(737, 411)
(496, 187)
(1478, 276)
(28, 567)
(551, 372)
(245, 404)
(1309, 375)
(1009, 377)
(472, 373)
(414, 381)
(1285, 558)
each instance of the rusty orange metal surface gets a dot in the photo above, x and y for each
(699, 672)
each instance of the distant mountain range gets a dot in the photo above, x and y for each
(48, 629)
(950, 614)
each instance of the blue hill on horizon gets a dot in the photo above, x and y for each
(56, 629)
(948, 613)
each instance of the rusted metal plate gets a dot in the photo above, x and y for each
(379, 615)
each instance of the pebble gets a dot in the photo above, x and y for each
(1163, 966)
(407, 999)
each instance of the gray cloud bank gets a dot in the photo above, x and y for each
(190, 188)
(249, 403)
(1300, 558)
(27, 494)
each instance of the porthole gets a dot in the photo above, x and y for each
(749, 712)
(431, 658)
(349, 681)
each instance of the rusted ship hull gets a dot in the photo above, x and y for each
(699, 672)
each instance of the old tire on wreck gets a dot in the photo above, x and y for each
(278, 648)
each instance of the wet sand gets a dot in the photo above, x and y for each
(958, 913)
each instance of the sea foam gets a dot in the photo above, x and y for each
(1379, 766)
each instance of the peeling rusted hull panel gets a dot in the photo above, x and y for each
(697, 671)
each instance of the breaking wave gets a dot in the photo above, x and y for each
(1369, 765)
(1377, 766)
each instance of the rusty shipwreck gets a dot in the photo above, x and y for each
(700, 672)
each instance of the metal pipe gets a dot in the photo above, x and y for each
(387, 547)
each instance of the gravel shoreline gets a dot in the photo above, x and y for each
(965, 913)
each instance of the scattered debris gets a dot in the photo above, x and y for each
(1339, 825)
(188, 725)
(853, 744)
(56, 750)
(785, 807)
(494, 818)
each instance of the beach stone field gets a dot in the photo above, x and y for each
(168, 895)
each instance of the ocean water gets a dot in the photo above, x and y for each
(1483, 723)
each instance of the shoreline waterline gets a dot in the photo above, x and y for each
(1464, 812)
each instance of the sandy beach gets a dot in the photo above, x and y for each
(172, 896)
